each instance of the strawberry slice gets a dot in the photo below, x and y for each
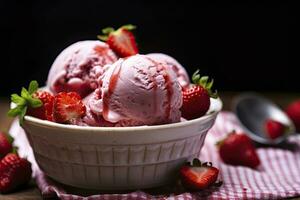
(238, 149)
(122, 41)
(196, 97)
(68, 107)
(274, 129)
(198, 176)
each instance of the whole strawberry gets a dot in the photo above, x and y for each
(238, 149)
(68, 107)
(198, 176)
(196, 97)
(14, 172)
(122, 41)
(46, 110)
(5, 145)
(293, 111)
(273, 128)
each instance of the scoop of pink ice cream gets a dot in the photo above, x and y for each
(79, 66)
(182, 75)
(93, 118)
(138, 91)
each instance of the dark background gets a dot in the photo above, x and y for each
(244, 46)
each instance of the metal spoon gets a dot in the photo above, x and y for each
(252, 110)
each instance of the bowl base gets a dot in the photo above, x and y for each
(87, 190)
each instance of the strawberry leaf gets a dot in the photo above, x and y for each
(14, 112)
(129, 27)
(35, 103)
(102, 37)
(108, 30)
(18, 100)
(33, 87)
(196, 162)
(205, 83)
(25, 94)
(22, 114)
(196, 77)
(210, 84)
(15, 150)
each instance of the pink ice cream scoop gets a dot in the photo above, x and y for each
(138, 91)
(79, 67)
(182, 75)
(93, 118)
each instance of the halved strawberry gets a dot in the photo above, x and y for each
(122, 41)
(46, 110)
(238, 149)
(68, 106)
(198, 176)
(196, 97)
(274, 129)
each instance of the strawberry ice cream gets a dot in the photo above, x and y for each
(79, 67)
(91, 86)
(179, 70)
(94, 118)
(136, 91)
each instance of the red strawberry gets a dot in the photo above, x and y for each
(293, 111)
(5, 145)
(14, 172)
(274, 129)
(68, 107)
(196, 98)
(238, 149)
(122, 41)
(198, 176)
(46, 110)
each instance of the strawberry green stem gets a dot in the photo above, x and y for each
(26, 99)
(110, 30)
(205, 83)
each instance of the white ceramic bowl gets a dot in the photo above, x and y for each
(117, 158)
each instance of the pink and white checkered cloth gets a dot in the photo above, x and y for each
(278, 176)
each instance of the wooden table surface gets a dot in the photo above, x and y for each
(32, 193)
